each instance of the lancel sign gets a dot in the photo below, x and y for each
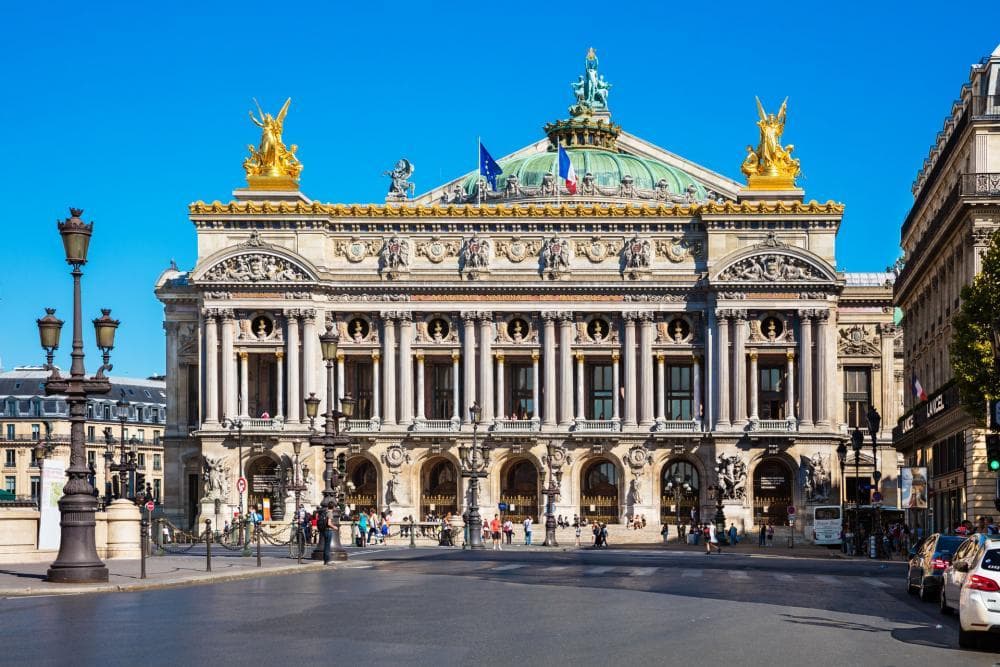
(934, 406)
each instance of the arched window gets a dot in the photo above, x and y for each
(679, 493)
(600, 498)
(519, 488)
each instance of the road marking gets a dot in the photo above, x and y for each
(644, 571)
(504, 568)
(782, 577)
(554, 568)
(738, 574)
(598, 570)
(828, 579)
(692, 573)
(872, 581)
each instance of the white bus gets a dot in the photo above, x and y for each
(827, 524)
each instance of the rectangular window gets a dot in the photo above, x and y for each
(36, 488)
(142, 460)
(36, 431)
(10, 432)
(92, 458)
(10, 484)
(359, 384)
(521, 391)
(442, 393)
(156, 438)
(10, 458)
(107, 411)
(679, 396)
(91, 434)
(857, 396)
(90, 410)
(600, 392)
(156, 490)
(141, 435)
(156, 462)
(771, 391)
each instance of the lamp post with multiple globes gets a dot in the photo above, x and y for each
(474, 461)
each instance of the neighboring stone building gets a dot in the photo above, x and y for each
(956, 209)
(663, 318)
(25, 412)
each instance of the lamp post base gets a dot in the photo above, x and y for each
(77, 562)
(476, 532)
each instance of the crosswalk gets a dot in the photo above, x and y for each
(734, 576)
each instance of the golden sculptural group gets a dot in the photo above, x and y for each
(272, 166)
(771, 166)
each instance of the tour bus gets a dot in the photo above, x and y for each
(827, 524)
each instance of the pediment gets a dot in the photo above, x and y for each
(773, 263)
(256, 262)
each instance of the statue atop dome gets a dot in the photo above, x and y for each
(272, 166)
(591, 89)
(771, 166)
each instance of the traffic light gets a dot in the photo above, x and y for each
(993, 452)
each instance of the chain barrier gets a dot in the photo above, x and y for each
(180, 537)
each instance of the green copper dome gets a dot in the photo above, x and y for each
(607, 167)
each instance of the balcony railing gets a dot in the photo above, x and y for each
(678, 426)
(597, 425)
(985, 185)
(985, 106)
(363, 425)
(773, 425)
(436, 424)
(517, 425)
(261, 424)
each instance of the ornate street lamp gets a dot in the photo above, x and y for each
(857, 442)
(237, 425)
(551, 493)
(474, 462)
(109, 461)
(298, 487)
(77, 561)
(330, 439)
(676, 486)
(874, 424)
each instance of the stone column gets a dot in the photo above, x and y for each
(754, 413)
(646, 369)
(376, 385)
(292, 348)
(739, 366)
(696, 388)
(341, 389)
(661, 384)
(228, 366)
(889, 407)
(566, 368)
(534, 384)
(723, 384)
(456, 408)
(174, 375)
(310, 358)
(790, 385)
(805, 367)
(211, 401)
(405, 368)
(549, 340)
(580, 413)
(486, 364)
(821, 372)
(389, 367)
(631, 372)
(501, 406)
(616, 387)
(469, 362)
(244, 384)
(421, 413)
(279, 362)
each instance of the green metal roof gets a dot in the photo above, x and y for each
(607, 167)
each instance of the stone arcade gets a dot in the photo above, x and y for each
(663, 319)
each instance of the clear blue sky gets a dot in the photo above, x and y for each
(133, 112)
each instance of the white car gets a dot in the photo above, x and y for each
(971, 584)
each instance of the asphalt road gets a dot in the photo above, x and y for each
(432, 606)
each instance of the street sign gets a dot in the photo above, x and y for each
(241, 484)
(502, 507)
(877, 497)
(791, 510)
(150, 506)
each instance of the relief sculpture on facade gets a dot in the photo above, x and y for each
(771, 268)
(256, 267)
(858, 340)
(816, 478)
(732, 472)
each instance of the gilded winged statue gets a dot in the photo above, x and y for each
(770, 159)
(271, 158)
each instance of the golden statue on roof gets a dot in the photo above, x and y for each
(272, 166)
(771, 166)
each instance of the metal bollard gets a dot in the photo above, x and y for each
(143, 545)
(245, 537)
(413, 536)
(158, 539)
(301, 541)
(257, 534)
(208, 545)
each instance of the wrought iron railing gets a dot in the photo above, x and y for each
(985, 105)
(986, 185)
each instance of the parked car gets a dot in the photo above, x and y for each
(971, 584)
(928, 560)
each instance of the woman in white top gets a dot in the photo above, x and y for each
(712, 541)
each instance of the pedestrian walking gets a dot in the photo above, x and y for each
(665, 533)
(326, 530)
(508, 531)
(495, 532)
(603, 535)
(527, 531)
(732, 533)
(712, 541)
(577, 533)
(770, 535)
(763, 535)
(363, 529)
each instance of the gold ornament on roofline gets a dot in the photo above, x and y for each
(771, 166)
(272, 166)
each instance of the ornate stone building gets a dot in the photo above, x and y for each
(661, 320)
(956, 209)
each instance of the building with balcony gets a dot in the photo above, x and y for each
(956, 210)
(654, 318)
(28, 417)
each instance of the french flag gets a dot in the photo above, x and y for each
(566, 171)
(918, 389)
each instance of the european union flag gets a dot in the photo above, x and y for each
(488, 167)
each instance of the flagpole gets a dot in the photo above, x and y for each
(479, 169)
(557, 172)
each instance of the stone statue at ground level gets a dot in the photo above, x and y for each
(732, 473)
(216, 478)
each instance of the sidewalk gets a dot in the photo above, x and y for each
(21, 579)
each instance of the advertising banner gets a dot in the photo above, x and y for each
(53, 480)
(913, 488)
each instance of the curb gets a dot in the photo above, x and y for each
(193, 580)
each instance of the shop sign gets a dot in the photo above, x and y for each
(935, 405)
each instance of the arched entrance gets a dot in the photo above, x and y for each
(264, 488)
(439, 484)
(679, 493)
(599, 500)
(519, 487)
(772, 492)
(362, 485)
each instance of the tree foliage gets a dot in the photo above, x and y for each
(975, 333)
